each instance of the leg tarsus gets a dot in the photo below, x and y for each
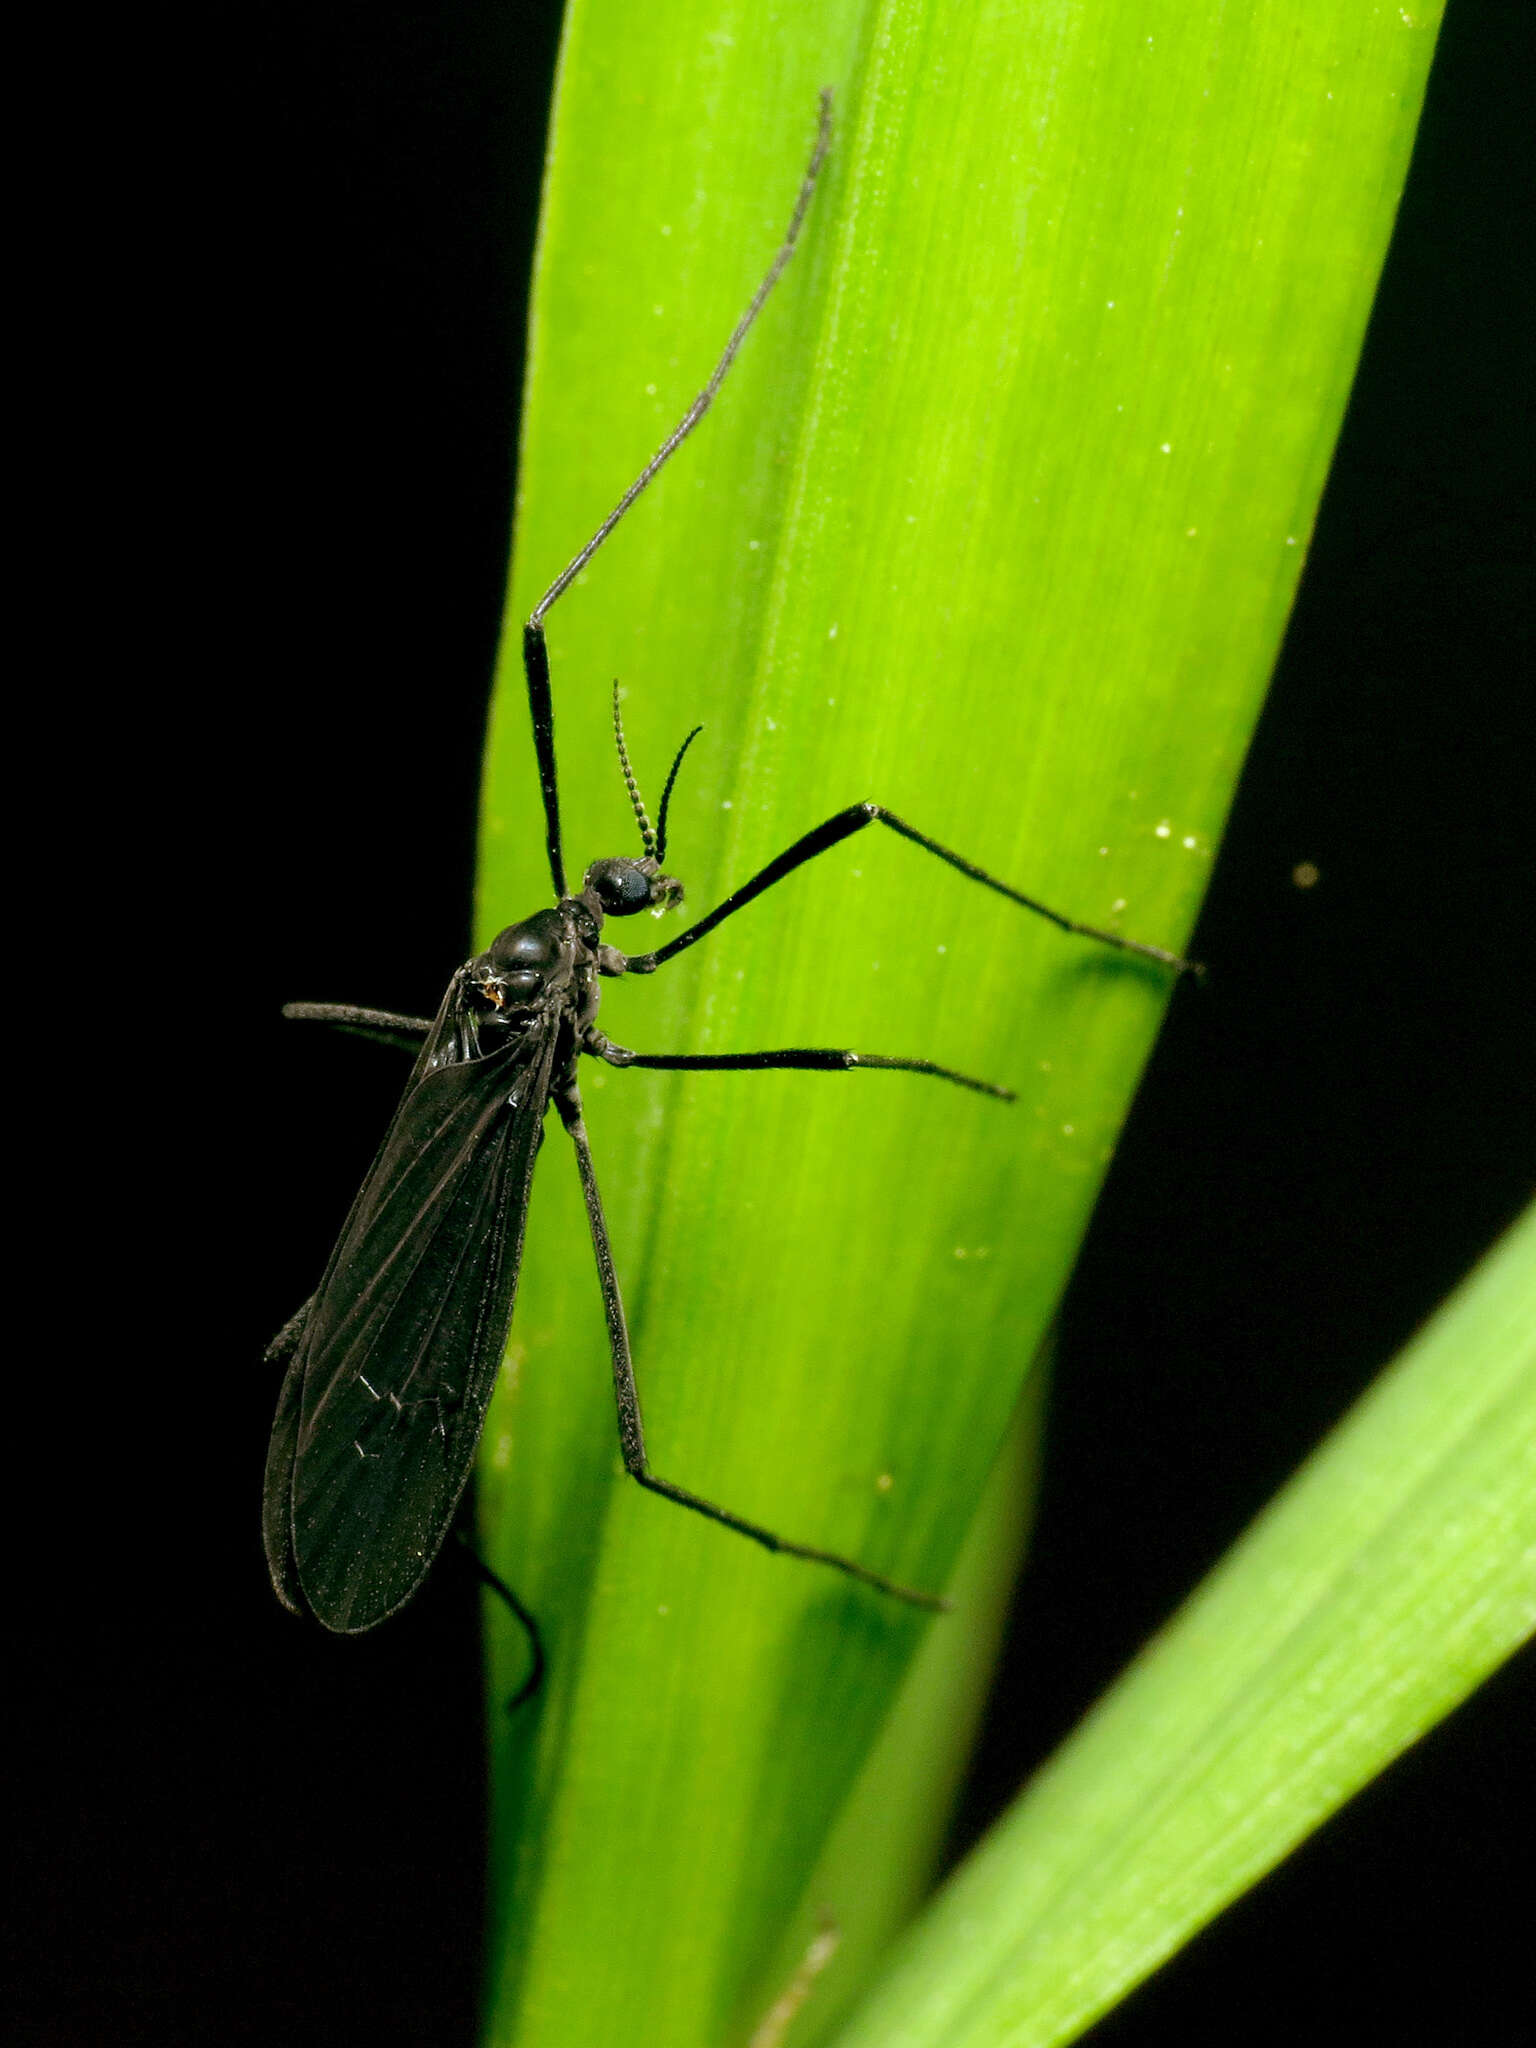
(813, 1059)
(520, 1614)
(782, 1547)
(705, 399)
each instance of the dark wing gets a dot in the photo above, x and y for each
(386, 1396)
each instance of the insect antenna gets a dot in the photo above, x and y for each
(648, 836)
(666, 794)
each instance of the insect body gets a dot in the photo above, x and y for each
(393, 1360)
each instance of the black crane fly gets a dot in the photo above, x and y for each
(365, 1472)
(393, 1360)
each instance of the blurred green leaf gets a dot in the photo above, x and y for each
(1394, 1573)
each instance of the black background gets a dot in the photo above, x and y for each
(305, 326)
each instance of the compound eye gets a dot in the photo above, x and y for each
(621, 886)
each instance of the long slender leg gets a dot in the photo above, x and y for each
(535, 652)
(816, 1059)
(843, 826)
(358, 1018)
(520, 1614)
(384, 1026)
(627, 1398)
(705, 399)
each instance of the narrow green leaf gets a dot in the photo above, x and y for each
(1389, 1578)
(997, 522)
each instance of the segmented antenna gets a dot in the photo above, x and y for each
(648, 837)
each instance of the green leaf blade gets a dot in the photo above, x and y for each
(996, 522)
(1394, 1573)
